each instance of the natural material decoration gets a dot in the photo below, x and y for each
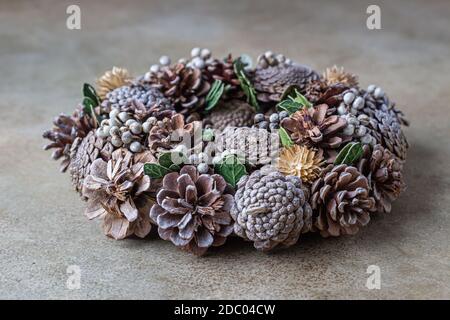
(208, 147)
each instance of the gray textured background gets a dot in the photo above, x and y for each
(42, 68)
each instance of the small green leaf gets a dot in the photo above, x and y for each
(155, 171)
(214, 94)
(208, 134)
(302, 100)
(286, 140)
(167, 159)
(245, 83)
(289, 106)
(89, 91)
(231, 169)
(351, 153)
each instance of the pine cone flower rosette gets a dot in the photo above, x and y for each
(302, 162)
(119, 192)
(192, 210)
(336, 75)
(112, 79)
(384, 172)
(315, 128)
(270, 209)
(341, 201)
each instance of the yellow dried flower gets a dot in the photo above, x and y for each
(112, 79)
(302, 162)
(338, 75)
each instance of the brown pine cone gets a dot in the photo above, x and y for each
(384, 172)
(271, 209)
(192, 210)
(341, 201)
(119, 192)
(66, 129)
(184, 86)
(170, 132)
(234, 113)
(319, 92)
(315, 128)
(270, 83)
(83, 153)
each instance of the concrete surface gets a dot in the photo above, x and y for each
(43, 230)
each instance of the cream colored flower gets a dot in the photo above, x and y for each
(335, 75)
(112, 79)
(302, 162)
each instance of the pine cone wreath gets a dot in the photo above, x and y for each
(341, 201)
(335, 75)
(183, 85)
(302, 162)
(384, 173)
(192, 210)
(270, 209)
(65, 131)
(112, 79)
(119, 193)
(234, 113)
(315, 128)
(270, 83)
(256, 146)
(83, 153)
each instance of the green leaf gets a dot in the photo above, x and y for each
(289, 106)
(302, 100)
(293, 101)
(89, 91)
(231, 169)
(214, 94)
(286, 140)
(166, 159)
(351, 153)
(155, 171)
(89, 108)
(245, 83)
(208, 134)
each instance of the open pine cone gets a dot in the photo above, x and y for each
(335, 75)
(315, 128)
(341, 201)
(184, 85)
(192, 210)
(112, 79)
(119, 192)
(271, 210)
(384, 172)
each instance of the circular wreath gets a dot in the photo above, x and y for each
(206, 148)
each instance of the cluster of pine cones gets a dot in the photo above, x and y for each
(275, 150)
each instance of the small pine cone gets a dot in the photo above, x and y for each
(83, 153)
(216, 69)
(193, 210)
(255, 146)
(384, 172)
(234, 113)
(319, 92)
(270, 83)
(341, 201)
(335, 75)
(170, 132)
(183, 85)
(302, 162)
(65, 131)
(316, 128)
(112, 79)
(270, 209)
(120, 193)
(124, 98)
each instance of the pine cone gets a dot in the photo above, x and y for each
(270, 209)
(341, 201)
(184, 85)
(234, 113)
(384, 172)
(216, 69)
(302, 162)
(66, 129)
(255, 146)
(270, 83)
(119, 192)
(83, 153)
(112, 79)
(170, 132)
(335, 75)
(124, 98)
(315, 128)
(192, 210)
(319, 92)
